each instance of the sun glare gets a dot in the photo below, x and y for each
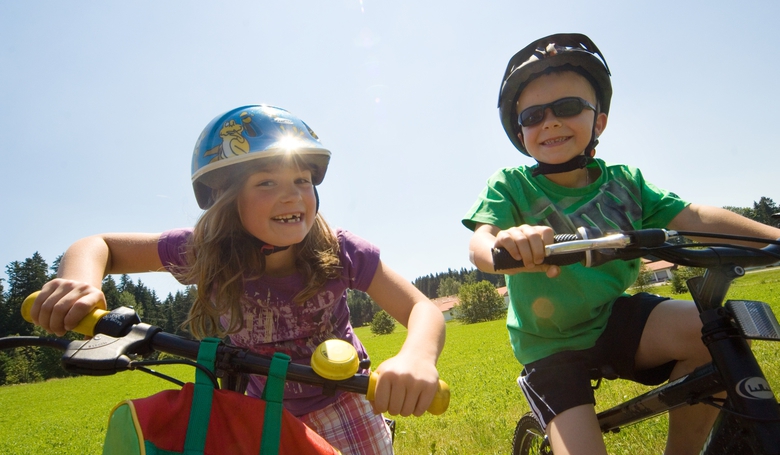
(289, 143)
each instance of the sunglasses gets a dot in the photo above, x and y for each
(564, 107)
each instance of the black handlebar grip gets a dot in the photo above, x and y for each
(647, 238)
(502, 260)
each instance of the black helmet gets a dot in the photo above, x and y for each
(555, 51)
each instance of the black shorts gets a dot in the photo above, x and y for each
(563, 380)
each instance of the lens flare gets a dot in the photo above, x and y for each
(543, 308)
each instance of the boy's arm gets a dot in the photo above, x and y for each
(706, 218)
(522, 242)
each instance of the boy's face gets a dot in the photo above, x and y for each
(556, 140)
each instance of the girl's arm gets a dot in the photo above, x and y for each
(705, 218)
(64, 301)
(408, 382)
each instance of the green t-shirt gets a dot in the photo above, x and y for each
(569, 312)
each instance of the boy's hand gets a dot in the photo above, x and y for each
(527, 243)
(405, 386)
(62, 304)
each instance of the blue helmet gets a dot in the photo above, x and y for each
(249, 133)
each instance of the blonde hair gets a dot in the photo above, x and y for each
(222, 254)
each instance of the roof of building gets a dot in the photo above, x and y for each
(658, 265)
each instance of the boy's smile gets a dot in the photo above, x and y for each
(278, 206)
(556, 140)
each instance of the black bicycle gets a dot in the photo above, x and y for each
(749, 418)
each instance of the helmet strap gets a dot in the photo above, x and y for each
(578, 162)
(271, 249)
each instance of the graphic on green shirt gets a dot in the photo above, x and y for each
(614, 207)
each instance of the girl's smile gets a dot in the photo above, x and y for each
(293, 218)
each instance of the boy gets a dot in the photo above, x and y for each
(565, 321)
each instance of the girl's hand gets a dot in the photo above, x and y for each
(527, 243)
(63, 303)
(405, 386)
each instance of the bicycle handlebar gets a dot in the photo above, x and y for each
(119, 335)
(591, 248)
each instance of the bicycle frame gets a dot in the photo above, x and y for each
(733, 364)
(749, 420)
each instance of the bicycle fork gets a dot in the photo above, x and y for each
(755, 414)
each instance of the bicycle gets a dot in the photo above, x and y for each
(749, 418)
(119, 341)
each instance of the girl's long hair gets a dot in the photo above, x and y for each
(222, 254)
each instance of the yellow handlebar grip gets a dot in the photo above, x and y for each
(440, 403)
(27, 304)
(85, 327)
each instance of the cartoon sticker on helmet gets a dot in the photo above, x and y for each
(233, 142)
(293, 132)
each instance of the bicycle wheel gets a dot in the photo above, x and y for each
(529, 437)
(733, 435)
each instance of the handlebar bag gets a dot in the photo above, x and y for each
(201, 420)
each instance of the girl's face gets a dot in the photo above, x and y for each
(278, 205)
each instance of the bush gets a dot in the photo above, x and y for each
(644, 282)
(683, 274)
(479, 302)
(382, 324)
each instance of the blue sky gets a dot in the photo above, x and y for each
(101, 104)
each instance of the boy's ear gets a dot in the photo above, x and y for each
(601, 123)
(520, 136)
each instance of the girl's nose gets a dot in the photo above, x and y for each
(292, 193)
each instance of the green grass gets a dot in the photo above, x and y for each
(69, 416)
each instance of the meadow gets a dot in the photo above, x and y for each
(69, 416)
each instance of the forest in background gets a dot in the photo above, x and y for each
(29, 275)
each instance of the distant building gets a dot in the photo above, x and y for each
(446, 304)
(662, 270)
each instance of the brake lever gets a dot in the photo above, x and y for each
(105, 355)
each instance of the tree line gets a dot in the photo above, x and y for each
(28, 276)
(438, 285)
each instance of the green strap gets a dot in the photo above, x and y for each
(198, 426)
(273, 394)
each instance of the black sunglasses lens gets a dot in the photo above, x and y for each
(567, 107)
(532, 115)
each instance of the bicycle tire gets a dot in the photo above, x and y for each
(529, 438)
(731, 435)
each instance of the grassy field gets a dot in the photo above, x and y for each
(69, 416)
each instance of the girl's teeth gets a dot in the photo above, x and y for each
(288, 218)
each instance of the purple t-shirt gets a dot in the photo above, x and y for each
(274, 323)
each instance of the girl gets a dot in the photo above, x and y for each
(271, 274)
